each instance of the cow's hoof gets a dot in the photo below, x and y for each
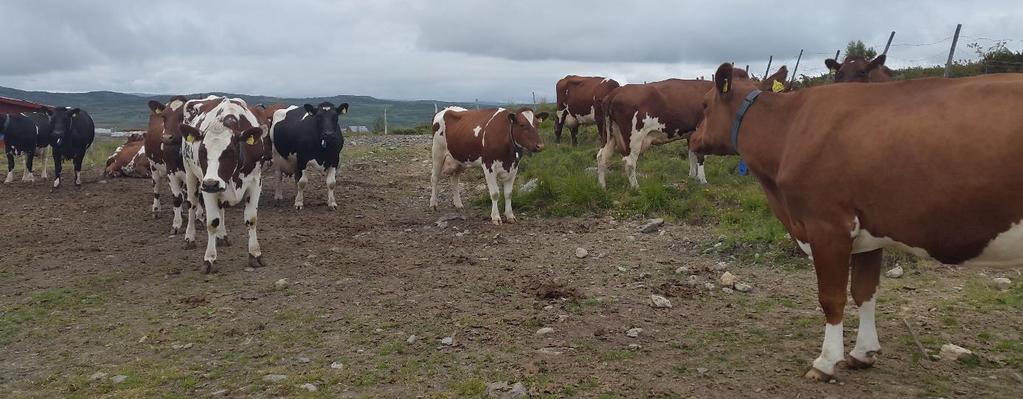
(156, 215)
(433, 207)
(510, 220)
(175, 230)
(496, 222)
(459, 206)
(189, 244)
(207, 267)
(223, 242)
(332, 207)
(817, 375)
(852, 363)
(256, 261)
(298, 207)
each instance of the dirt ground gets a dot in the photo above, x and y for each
(92, 290)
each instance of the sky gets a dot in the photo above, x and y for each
(457, 50)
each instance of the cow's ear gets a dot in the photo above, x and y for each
(832, 65)
(723, 78)
(541, 117)
(74, 112)
(156, 106)
(251, 135)
(190, 134)
(877, 62)
(776, 82)
(342, 109)
(310, 109)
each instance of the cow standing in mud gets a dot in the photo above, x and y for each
(495, 139)
(163, 148)
(222, 150)
(73, 133)
(307, 136)
(28, 134)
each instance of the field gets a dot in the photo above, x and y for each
(97, 300)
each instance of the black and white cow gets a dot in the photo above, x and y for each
(307, 136)
(29, 134)
(73, 132)
(222, 151)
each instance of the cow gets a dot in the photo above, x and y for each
(73, 133)
(495, 139)
(29, 134)
(129, 159)
(641, 115)
(162, 145)
(851, 170)
(222, 150)
(579, 102)
(860, 69)
(302, 136)
(265, 115)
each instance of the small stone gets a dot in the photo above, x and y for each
(710, 286)
(727, 290)
(304, 360)
(545, 331)
(581, 253)
(281, 284)
(720, 266)
(308, 387)
(743, 287)
(274, 378)
(633, 332)
(337, 365)
(411, 339)
(529, 186)
(658, 301)
(117, 379)
(953, 352)
(1001, 283)
(250, 269)
(728, 279)
(622, 269)
(701, 370)
(221, 392)
(449, 341)
(683, 270)
(894, 272)
(97, 375)
(518, 391)
(635, 347)
(651, 226)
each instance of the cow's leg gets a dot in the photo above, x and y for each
(28, 175)
(78, 168)
(155, 175)
(603, 157)
(509, 185)
(491, 177)
(697, 160)
(831, 247)
(191, 202)
(41, 153)
(575, 133)
(251, 207)
(331, 182)
(10, 164)
(177, 191)
(58, 165)
(559, 124)
(630, 162)
(300, 181)
(213, 224)
(866, 276)
(439, 154)
(279, 187)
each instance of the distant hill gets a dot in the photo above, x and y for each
(120, 111)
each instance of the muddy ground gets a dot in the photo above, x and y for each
(92, 288)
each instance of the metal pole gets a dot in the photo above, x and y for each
(435, 110)
(889, 44)
(837, 52)
(792, 79)
(747, 69)
(534, 100)
(768, 71)
(952, 51)
(477, 103)
(385, 121)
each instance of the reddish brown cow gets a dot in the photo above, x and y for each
(163, 149)
(860, 69)
(265, 116)
(495, 139)
(852, 169)
(129, 159)
(579, 103)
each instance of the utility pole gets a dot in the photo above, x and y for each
(385, 121)
(889, 44)
(534, 100)
(796, 69)
(837, 52)
(952, 51)
(768, 71)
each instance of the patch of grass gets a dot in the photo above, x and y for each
(987, 299)
(616, 355)
(45, 313)
(473, 387)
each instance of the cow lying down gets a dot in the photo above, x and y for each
(129, 159)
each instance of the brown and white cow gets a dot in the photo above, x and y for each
(850, 170)
(129, 159)
(163, 149)
(579, 103)
(265, 115)
(223, 154)
(859, 69)
(495, 139)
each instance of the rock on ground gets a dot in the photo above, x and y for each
(412, 339)
(895, 272)
(337, 365)
(743, 287)
(728, 279)
(658, 301)
(282, 283)
(581, 253)
(117, 379)
(545, 331)
(529, 186)
(651, 226)
(309, 387)
(953, 352)
(449, 341)
(274, 378)
(633, 332)
(1001, 283)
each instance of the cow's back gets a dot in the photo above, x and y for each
(292, 131)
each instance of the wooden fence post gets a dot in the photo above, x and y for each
(768, 71)
(889, 44)
(796, 69)
(952, 51)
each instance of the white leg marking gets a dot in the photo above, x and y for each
(866, 337)
(692, 165)
(10, 177)
(509, 185)
(193, 203)
(491, 178)
(331, 182)
(456, 189)
(42, 153)
(213, 212)
(78, 178)
(251, 220)
(831, 350)
(299, 188)
(439, 152)
(603, 156)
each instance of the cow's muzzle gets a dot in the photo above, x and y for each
(211, 186)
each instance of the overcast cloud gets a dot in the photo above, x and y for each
(455, 50)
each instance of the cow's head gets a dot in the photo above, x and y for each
(62, 118)
(166, 119)
(524, 125)
(326, 115)
(713, 135)
(859, 69)
(229, 147)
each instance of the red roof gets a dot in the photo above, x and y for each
(22, 103)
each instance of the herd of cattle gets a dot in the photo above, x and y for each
(927, 166)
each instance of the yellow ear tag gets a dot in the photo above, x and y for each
(777, 87)
(250, 141)
(833, 71)
(159, 111)
(189, 138)
(724, 89)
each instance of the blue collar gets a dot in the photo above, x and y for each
(737, 122)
